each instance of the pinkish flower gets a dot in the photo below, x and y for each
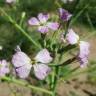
(22, 63)
(84, 52)
(41, 69)
(64, 14)
(10, 1)
(42, 22)
(72, 37)
(4, 68)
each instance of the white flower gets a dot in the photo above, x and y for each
(72, 37)
(22, 64)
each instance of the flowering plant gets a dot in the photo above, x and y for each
(57, 38)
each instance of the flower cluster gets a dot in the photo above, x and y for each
(23, 64)
(73, 38)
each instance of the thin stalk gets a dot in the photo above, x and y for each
(22, 18)
(69, 61)
(89, 21)
(89, 36)
(21, 29)
(19, 82)
(78, 14)
(57, 3)
(56, 73)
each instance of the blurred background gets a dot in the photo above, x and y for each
(84, 23)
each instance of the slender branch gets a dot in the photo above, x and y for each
(66, 48)
(21, 29)
(65, 63)
(78, 15)
(19, 82)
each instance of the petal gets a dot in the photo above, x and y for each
(43, 17)
(72, 37)
(41, 71)
(84, 49)
(43, 29)
(33, 21)
(4, 68)
(43, 56)
(83, 62)
(53, 25)
(24, 71)
(4, 63)
(20, 59)
(64, 14)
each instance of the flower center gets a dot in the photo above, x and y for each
(33, 62)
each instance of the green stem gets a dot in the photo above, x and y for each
(21, 29)
(58, 4)
(19, 82)
(22, 18)
(55, 75)
(77, 16)
(69, 61)
(89, 21)
(24, 33)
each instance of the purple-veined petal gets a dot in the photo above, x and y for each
(20, 59)
(83, 61)
(72, 37)
(41, 71)
(43, 29)
(33, 21)
(23, 72)
(64, 14)
(43, 17)
(43, 56)
(53, 25)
